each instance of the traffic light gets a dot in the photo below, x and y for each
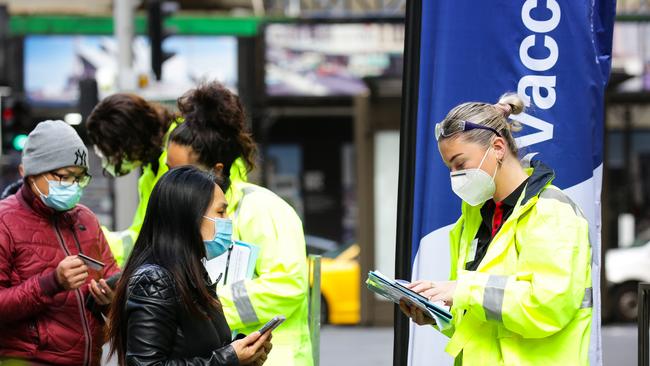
(157, 12)
(13, 118)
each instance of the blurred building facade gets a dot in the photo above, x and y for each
(321, 81)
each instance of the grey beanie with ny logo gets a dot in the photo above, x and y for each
(53, 145)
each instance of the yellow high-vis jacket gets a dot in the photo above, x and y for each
(530, 300)
(280, 285)
(121, 242)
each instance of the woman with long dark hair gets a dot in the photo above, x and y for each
(164, 312)
(214, 137)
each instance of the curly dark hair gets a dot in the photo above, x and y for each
(215, 127)
(125, 126)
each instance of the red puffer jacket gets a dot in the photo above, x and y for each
(39, 320)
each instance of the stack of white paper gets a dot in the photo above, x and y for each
(239, 261)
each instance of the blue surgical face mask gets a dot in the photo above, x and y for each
(222, 238)
(61, 198)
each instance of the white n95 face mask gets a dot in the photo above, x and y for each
(474, 186)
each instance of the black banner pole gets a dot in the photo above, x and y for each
(408, 135)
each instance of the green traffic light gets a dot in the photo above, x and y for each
(19, 142)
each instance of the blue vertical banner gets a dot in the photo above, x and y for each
(556, 55)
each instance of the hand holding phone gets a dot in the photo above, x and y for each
(253, 349)
(272, 324)
(101, 292)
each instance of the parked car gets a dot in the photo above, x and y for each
(340, 281)
(625, 268)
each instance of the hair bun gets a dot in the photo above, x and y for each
(211, 105)
(216, 117)
(513, 101)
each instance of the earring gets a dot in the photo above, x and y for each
(499, 161)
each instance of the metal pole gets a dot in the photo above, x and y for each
(408, 137)
(643, 324)
(126, 194)
(292, 8)
(628, 151)
(124, 25)
(4, 44)
(314, 306)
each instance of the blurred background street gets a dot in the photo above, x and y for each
(321, 82)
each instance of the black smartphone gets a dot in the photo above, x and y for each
(112, 281)
(272, 324)
(90, 262)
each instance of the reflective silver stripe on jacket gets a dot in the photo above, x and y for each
(127, 243)
(243, 303)
(526, 161)
(246, 191)
(588, 299)
(493, 296)
(556, 194)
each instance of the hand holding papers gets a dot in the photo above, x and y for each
(395, 291)
(235, 265)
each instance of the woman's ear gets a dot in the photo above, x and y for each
(500, 148)
(218, 169)
(21, 170)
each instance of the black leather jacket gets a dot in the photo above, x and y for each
(161, 332)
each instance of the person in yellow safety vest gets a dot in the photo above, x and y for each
(128, 132)
(520, 288)
(214, 138)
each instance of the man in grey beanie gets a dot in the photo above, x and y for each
(55, 149)
(44, 283)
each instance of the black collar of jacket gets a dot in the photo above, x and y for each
(11, 189)
(542, 176)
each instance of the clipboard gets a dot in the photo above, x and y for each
(395, 291)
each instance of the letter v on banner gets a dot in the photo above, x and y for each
(545, 130)
(466, 50)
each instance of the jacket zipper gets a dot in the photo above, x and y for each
(90, 339)
(86, 328)
(76, 240)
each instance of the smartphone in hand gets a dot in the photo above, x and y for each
(90, 262)
(272, 324)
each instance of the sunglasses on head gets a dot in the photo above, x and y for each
(463, 126)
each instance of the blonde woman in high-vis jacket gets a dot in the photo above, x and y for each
(520, 284)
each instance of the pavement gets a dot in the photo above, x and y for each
(620, 347)
(342, 346)
(354, 346)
